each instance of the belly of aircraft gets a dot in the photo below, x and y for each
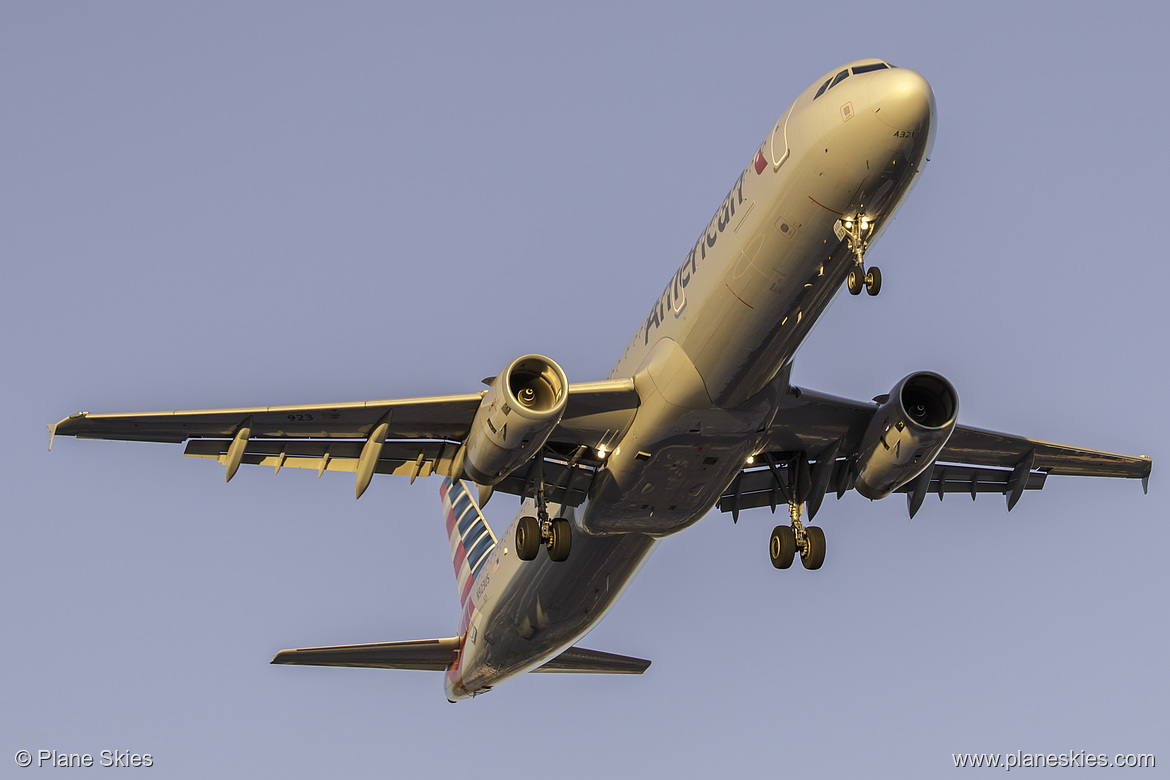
(677, 485)
(536, 617)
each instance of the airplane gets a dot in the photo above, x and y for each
(698, 412)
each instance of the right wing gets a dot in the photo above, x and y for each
(412, 437)
(827, 430)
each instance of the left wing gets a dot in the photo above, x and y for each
(412, 437)
(826, 432)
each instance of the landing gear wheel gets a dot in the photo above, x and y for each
(855, 280)
(873, 281)
(813, 554)
(527, 538)
(782, 547)
(560, 540)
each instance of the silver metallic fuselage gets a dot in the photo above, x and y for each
(709, 362)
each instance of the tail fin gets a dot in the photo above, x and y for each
(470, 536)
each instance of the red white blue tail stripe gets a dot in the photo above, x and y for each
(471, 539)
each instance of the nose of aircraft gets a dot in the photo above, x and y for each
(901, 99)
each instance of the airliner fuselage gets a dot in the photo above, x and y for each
(709, 360)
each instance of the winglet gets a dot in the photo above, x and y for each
(53, 426)
(1146, 474)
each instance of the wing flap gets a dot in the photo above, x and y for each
(757, 487)
(949, 478)
(578, 660)
(433, 655)
(403, 458)
(567, 478)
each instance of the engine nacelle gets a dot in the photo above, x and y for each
(515, 418)
(906, 434)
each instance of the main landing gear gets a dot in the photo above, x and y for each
(787, 540)
(555, 535)
(858, 230)
(533, 532)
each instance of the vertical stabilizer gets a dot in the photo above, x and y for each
(470, 536)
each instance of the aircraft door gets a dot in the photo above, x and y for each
(778, 149)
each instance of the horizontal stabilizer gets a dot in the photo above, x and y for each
(432, 655)
(578, 660)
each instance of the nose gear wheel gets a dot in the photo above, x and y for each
(858, 230)
(856, 280)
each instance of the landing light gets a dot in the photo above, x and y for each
(601, 451)
(751, 459)
(848, 224)
(864, 223)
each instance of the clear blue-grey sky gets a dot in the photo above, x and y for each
(229, 204)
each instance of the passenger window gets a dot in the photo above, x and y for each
(821, 91)
(840, 77)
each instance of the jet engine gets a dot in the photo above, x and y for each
(906, 434)
(515, 418)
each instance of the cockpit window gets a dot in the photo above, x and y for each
(830, 83)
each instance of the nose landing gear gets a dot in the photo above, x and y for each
(858, 231)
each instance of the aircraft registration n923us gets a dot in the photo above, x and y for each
(697, 413)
